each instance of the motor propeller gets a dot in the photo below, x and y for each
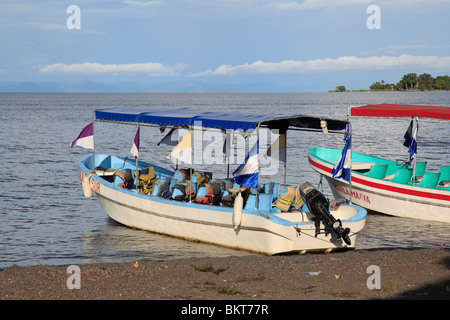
(318, 205)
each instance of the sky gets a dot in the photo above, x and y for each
(302, 45)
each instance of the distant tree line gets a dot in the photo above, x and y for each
(340, 89)
(412, 81)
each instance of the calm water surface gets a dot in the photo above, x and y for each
(45, 218)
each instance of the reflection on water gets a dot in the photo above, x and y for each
(383, 231)
(120, 243)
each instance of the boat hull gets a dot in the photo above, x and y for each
(381, 195)
(261, 232)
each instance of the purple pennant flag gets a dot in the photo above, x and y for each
(171, 138)
(86, 137)
(135, 148)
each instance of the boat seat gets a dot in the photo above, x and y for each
(264, 201)
(444, 184)
(402, 176)
(272, 187)
(444, 180)
(429, 180)
(157, 187)
(378, 171)
(420, 168)
(418, 172)
(179, 175)
(250, 204)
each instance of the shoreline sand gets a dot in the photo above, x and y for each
(405, 274)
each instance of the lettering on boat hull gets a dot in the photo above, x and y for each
(95, 186)
(357, 195)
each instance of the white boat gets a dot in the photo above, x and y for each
(403, 189)
(255, 223)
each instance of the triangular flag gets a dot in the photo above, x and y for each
(183, 151)
(278, 149)
(413, 144)
(171, 138)
(342, 167)
(135, 148)
(247, 173)
(86, 137)
(408, 135)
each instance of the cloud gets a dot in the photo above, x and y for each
(143, 3)
(319, 4)
(150, 68)
(329, 65)
(314, 4)
(39, 26)
(392, 48)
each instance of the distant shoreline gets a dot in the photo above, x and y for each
(235, 92)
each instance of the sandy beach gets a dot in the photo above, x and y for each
(412, 274)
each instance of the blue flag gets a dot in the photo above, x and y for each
(247, 173)
(341, 169)
(408, 135)
(413, 143)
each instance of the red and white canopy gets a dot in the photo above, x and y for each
(401, 110)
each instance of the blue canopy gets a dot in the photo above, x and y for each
(185, 117)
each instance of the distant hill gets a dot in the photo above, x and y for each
(169, 87)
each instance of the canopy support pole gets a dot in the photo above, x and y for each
(93, 140)
(285, 161)
(190, 168)
(137, 157)
(228, 137)
(257, 185)
(350, 135)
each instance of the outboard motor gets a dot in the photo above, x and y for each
(318, 206)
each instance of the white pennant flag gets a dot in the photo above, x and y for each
(135, 148)
(183, 151)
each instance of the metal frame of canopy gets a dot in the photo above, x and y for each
(189, 118)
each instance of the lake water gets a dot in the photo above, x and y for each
(45, 219)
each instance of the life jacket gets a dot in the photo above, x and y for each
(288, 199)
(189, 190)
(202, 178)
(228, 200)
(186, 174)
(127, 178)
(209, 193)
(179, 192)
(298, 202)
(165, 189)
(145, 180)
